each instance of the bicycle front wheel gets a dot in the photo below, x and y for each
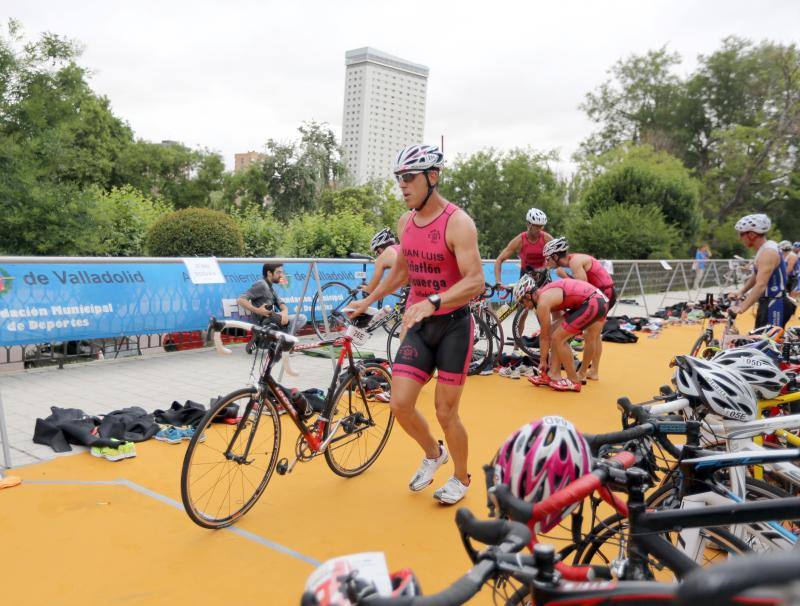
(336, 296)
(227, 467)
(482, 345)
(360, 421)
(523, 327)
(393, 341)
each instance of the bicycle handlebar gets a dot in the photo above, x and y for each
(286, 341)
(506, 537)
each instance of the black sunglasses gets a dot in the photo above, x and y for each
(407, 177)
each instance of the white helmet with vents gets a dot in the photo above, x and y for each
(525, 286)
(755, 367)
(555, 246)
(759, 224)
(716, 386)
(418, 158)
(536, 217)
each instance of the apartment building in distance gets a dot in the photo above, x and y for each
(242, 161)
(384, 110)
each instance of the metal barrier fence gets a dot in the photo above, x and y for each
(154, 312)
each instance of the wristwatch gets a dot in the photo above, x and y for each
(436, 300)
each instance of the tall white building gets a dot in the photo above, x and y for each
(384, 110)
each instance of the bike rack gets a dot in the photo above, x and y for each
(634, 268)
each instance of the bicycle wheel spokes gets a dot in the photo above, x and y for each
(227, 467)
(361, 409)
(335, 297)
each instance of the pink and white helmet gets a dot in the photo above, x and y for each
(418, 157)
(540, 458)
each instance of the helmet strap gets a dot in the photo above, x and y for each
(430, 192)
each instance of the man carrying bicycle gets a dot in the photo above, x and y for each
(384, 244)
(767, 285)
(529, 245)
(442, 264)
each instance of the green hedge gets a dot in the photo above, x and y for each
(195, 232)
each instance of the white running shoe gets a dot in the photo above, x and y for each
(424, 475)
(509, 373)
(452, 492)
(526, 371)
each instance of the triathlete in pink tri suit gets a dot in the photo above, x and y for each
(587, 268)
(529, 245)
(441, 263)
(384, 244)
(582, 305)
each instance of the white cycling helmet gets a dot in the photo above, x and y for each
(785, 245)
(418, 157)
(716, 386)
(555, 246)
(759, 224)
(755, 367)
(384, 237)
(536, 217)
(525, 285)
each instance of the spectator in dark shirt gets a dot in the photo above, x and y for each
(264, 304)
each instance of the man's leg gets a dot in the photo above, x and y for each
(560, 340)
(403, 404)
(455, 435)
(594, 349)
(555, 363)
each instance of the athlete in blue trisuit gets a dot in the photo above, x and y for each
(767, 285)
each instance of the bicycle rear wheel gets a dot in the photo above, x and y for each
(496, 330)
(523, 327)
(393, 341)
(482, 345)
(336, 297)
(360, 420)
(219, 484)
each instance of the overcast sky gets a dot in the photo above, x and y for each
(230, 75)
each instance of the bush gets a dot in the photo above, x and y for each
(644, 179)
(263, 234)
(323, 236)
(124, 215)
(195, 232)
(624, 232)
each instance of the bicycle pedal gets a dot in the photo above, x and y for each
(282, 467)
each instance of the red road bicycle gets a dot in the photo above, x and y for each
(237, 445)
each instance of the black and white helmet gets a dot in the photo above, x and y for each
(555, 246)
(716, 386)
(525, 286)
(384, 237)
(755, 367)
(536, 217)
(759, 224)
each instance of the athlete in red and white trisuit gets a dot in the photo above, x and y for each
(582, 305)
(529, 245)
(442, 264)
(587, 268)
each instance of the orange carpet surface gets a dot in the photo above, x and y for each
(80, 529)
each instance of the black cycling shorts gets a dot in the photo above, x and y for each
(594, 308)
(442, 342)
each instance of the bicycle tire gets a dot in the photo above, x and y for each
(698, 344)
(496, 328)
(518, 331)
(393, 340)
(337, 321)
(205, 465)
(482, 346)
(349, 402)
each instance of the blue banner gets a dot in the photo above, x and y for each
(53, 300)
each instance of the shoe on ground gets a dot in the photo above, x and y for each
(188, 433)
(452, 492)
(565, 385)
(540, 380)
(170, 435)
(426, 470)
(510, 373)
(486, 371)
(126, 450)
(526, 371)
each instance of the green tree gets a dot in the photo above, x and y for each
(642, 177)
(375, 202)
(325, 236)
(195, 232)
(498, 188)
(263, 235)
(623, 232)
(122, 219)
